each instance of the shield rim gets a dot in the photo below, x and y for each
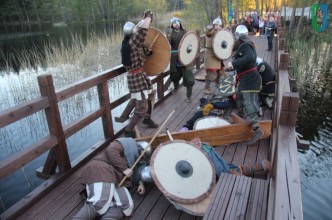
(214, 52)
(172, 196)
(209, 117)
(182, 39)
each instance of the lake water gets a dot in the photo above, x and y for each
(314, 123)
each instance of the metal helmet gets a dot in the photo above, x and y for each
(259, 60)
(217, 21)
(144, 145)
(129, 28)
(145, 174)
(174, 19)
(241, 32)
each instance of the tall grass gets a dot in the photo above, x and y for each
(67, 65)
(311, 60)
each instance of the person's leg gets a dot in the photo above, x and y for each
(100, 196)
(147, 117)
(191, 122)
(239, 104)
(87, 212)
(269, 42)
(113, 213)
(141, 107)
(189, 93)
(210, 77)
(251, 169)
(175, 78)
(251, 106)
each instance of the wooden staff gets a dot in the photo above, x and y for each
(169, 134)
(154, 40)
(151, 141)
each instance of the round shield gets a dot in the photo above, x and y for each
(161, 52)
(182, 171)
(210, 122)
(197, 208)
(222, 44)
(227, 86)
(188, 48)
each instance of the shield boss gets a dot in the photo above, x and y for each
(161, 52)
(188, 48)
(222, 44)
(182, 171)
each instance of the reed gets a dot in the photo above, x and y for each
(310, 59)
(67, 64)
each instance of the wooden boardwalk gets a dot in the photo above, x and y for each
(246, 198)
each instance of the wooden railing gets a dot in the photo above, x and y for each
(285, 189)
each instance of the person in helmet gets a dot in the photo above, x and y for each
(213, 65)
(139, 84)
(103, 173)
(268, 82)
(248, 80)
(177, 70)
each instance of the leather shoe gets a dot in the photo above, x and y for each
(150, 123)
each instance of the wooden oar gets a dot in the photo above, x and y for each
(151, 141)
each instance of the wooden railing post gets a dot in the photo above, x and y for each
(281, 43)
(104, 102)
(198, 58)
(289, 108)
(59, 154)
(284, 60)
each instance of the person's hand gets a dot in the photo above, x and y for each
(141, 188)
(128, 172)
(148, 13)
(230, 66)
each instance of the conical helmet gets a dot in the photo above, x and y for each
(241, 32)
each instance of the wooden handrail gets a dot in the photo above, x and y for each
(48, 102)
(285, 190)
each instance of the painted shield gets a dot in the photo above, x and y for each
(222, 44)
(227, 86)
(156, 63)
(182, 171)
(188, 48)
(210, 122)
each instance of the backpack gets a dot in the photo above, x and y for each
(125, 52)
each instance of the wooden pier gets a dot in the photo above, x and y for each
(276, 195)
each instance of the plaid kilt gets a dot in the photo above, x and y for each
(138, 82)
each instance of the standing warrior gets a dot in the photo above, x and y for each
(177, 70)
(213, 65)
(140, 86)
(248, 80)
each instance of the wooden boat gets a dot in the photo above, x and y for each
(239, 131)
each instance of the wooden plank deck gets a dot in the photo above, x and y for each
(245, 199)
